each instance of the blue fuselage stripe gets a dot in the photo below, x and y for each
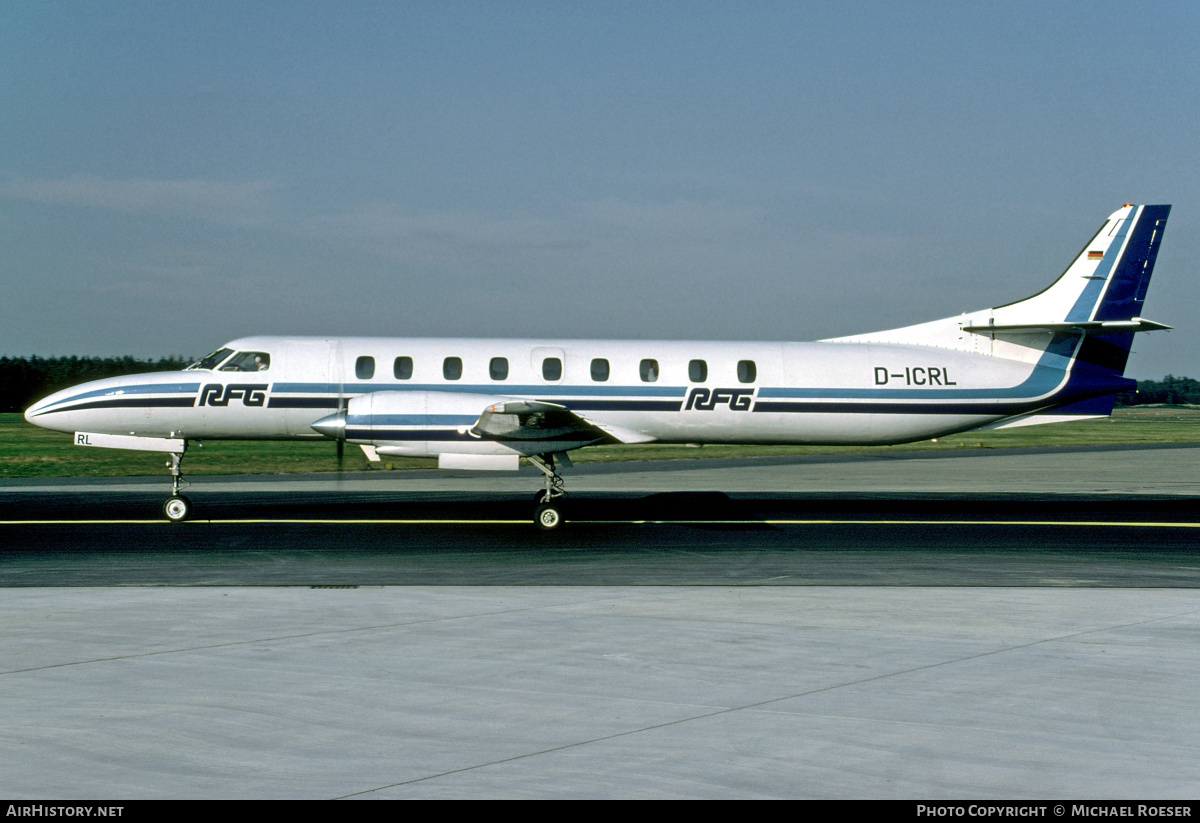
(128, 403)
(498, 388)
(149, 388)
(320, 402)
(411, 419)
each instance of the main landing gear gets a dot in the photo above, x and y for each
(177, 507)
(548, 514)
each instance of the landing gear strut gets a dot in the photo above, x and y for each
(177, 507)
(548, 514)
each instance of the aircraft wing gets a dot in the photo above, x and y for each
(536, 427)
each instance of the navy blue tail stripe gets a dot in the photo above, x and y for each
(1127, 287)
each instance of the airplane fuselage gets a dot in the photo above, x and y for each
(667, 391)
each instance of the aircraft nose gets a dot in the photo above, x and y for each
(37, 408)
(333, 426)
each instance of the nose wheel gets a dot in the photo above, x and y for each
(177, 507)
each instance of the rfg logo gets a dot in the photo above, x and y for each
(251, 394)
(709, 399)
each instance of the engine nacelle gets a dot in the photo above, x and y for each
(418, 423)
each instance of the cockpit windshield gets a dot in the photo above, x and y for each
(248, 361)
(213, 360)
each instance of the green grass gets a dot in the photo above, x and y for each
(28, 451)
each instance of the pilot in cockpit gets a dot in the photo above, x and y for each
(248, 361)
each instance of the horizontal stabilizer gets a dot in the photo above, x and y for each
(1082, 327)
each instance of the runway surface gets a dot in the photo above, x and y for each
(966, 626)
(1113, 518)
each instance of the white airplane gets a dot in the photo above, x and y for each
(484, 404)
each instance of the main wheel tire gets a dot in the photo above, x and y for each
(177, 508)
(548, 517)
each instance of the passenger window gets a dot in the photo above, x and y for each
(402, 368)
(649, 370)
(248, 361)
(599, 369)
(364, 368)
(697, 371)
(552, 368)
(498, 369)
(452, 368)
(747, 371)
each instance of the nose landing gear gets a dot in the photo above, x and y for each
(177, 507)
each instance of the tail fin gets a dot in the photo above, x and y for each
(1102, 290)
(1082, 325)
(1098, 297)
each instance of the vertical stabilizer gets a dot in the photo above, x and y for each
(1106, 282)
(1098, 300)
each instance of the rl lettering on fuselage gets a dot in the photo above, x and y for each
(915, 376)
(251, 394)
(709, 399)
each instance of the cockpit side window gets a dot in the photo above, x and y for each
(248, 361)
(213, 360)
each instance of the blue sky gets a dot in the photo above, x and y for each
(173, 175)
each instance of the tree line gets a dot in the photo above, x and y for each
(1171, 390)
(26, 379)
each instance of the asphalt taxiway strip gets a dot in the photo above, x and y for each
(384, 521)
(684, 538)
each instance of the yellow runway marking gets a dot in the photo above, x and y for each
(525, 522)
(1103, 523)
(1094, 523)
(244, 521)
